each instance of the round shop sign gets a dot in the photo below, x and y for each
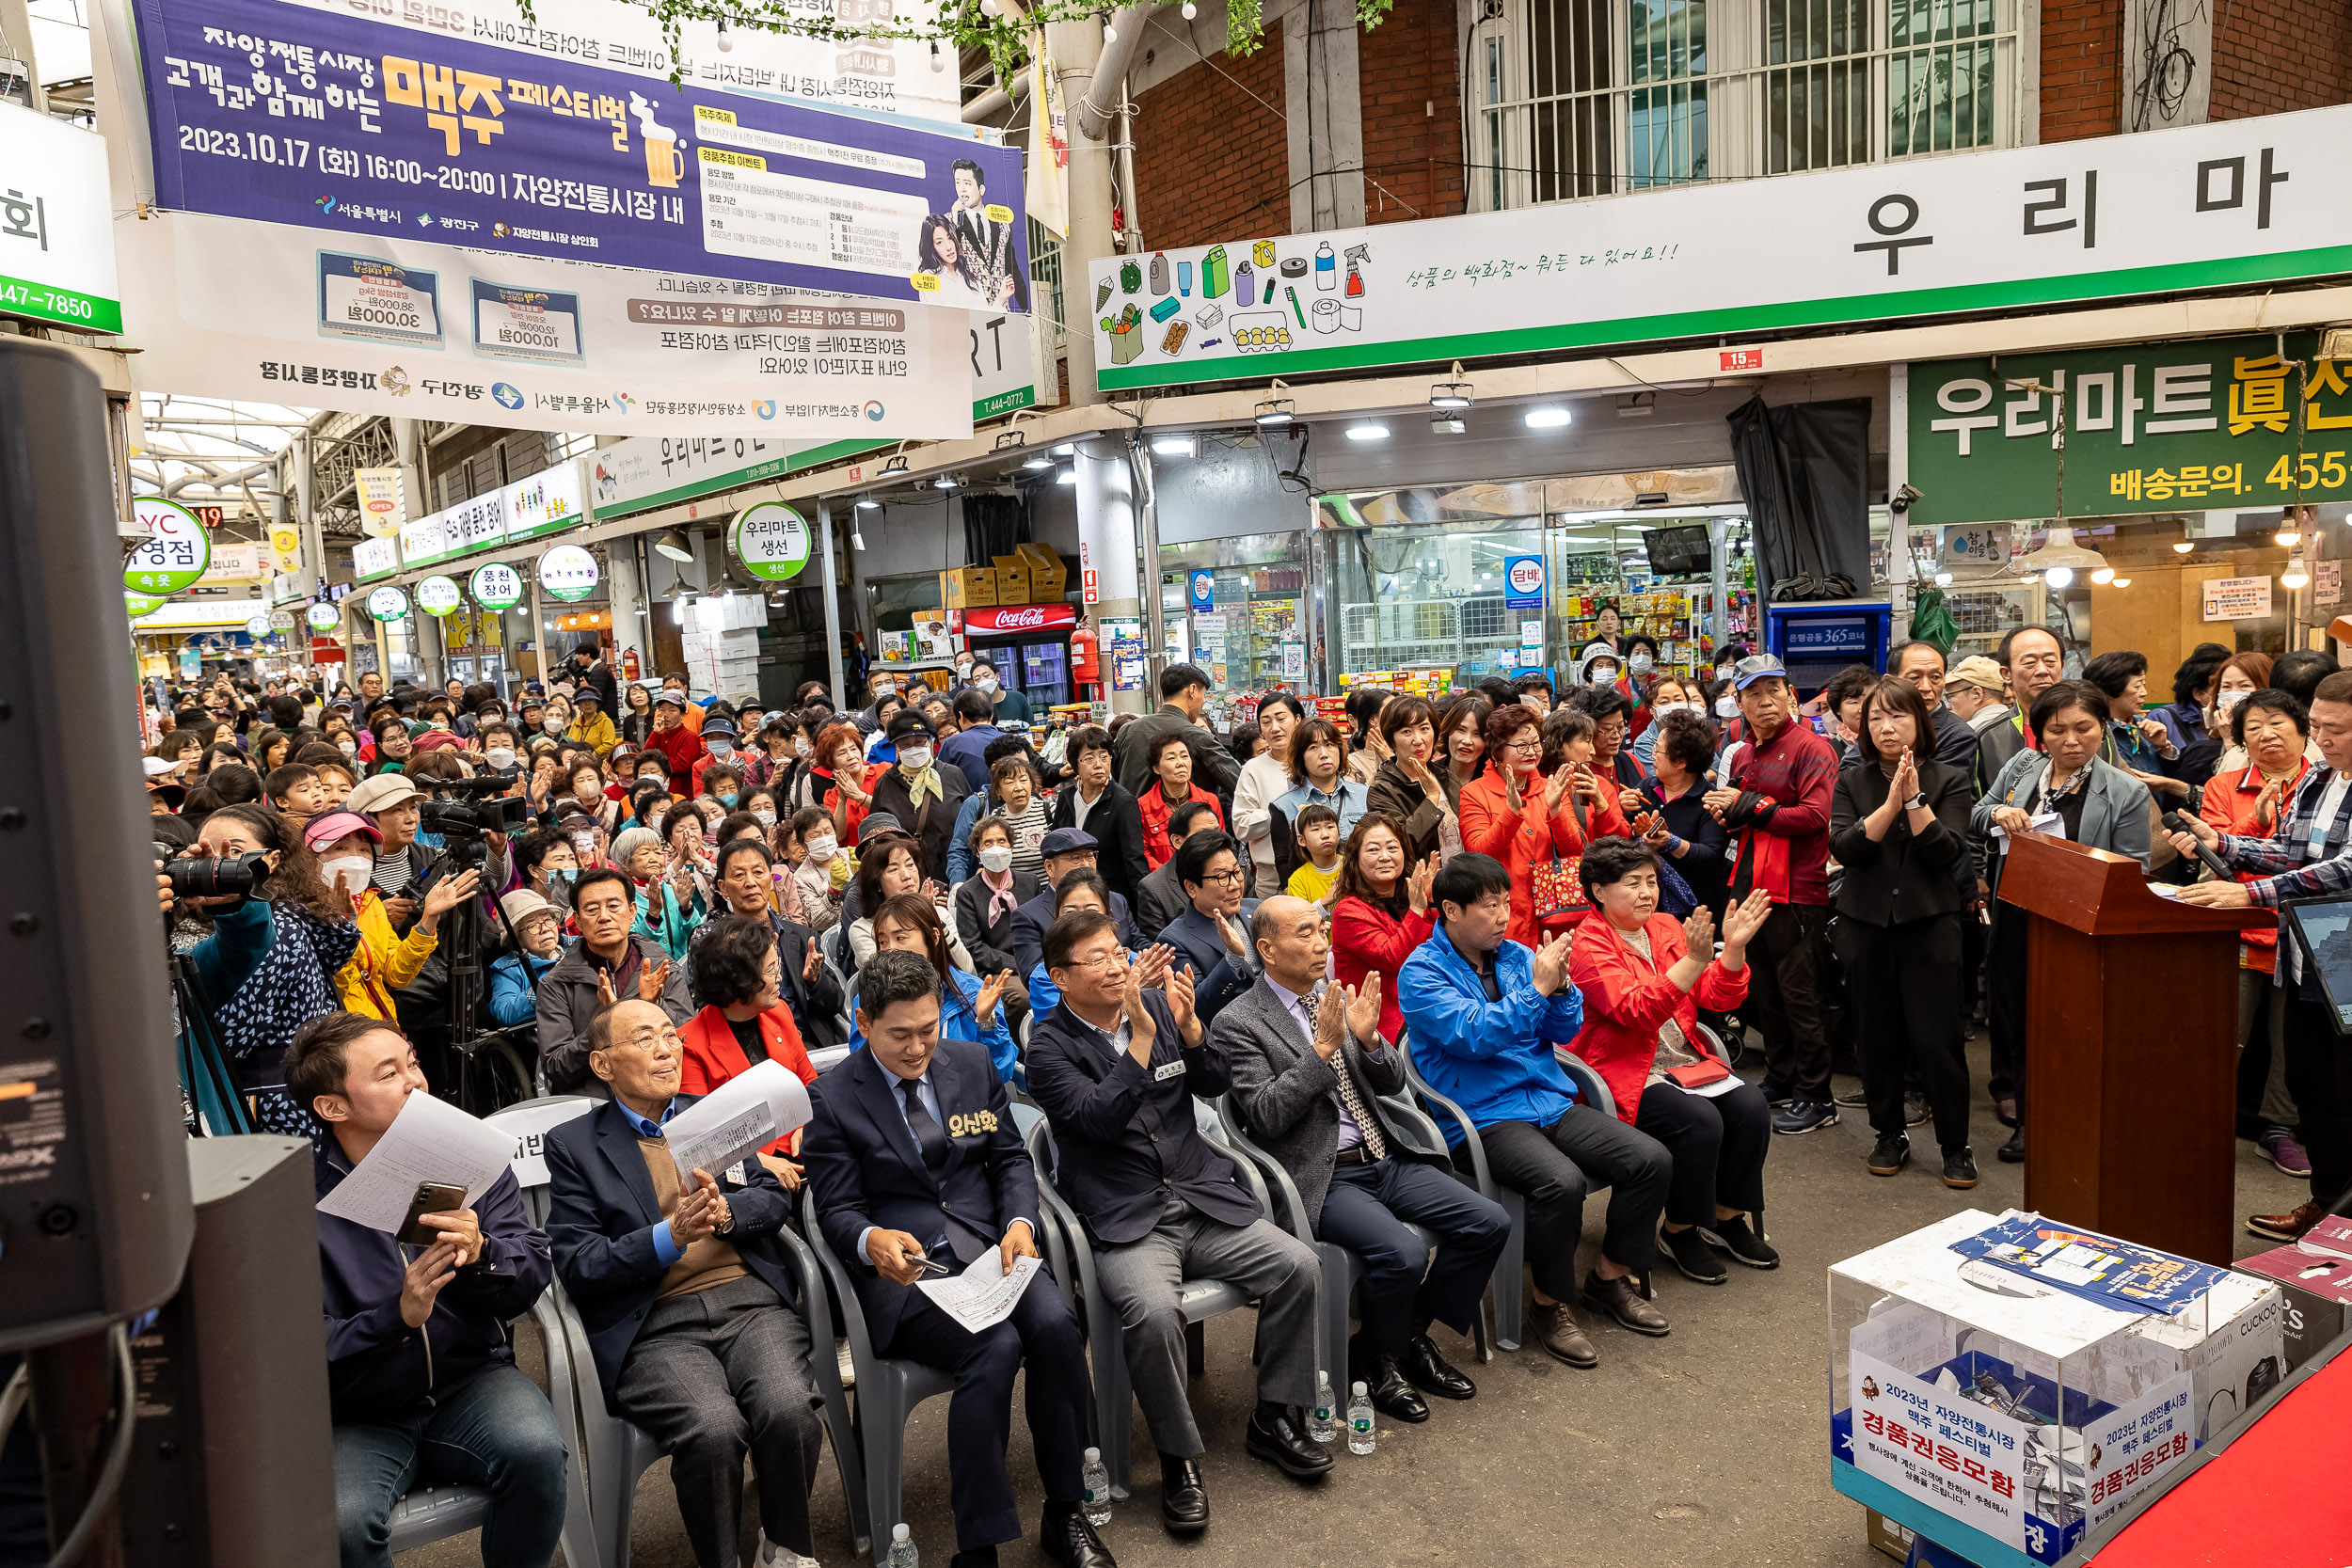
(281, 620)
(140, 606)
(497, 586)
(176, 551)
(567, 571)
(438, 595)
(324, 617)
(1527, 575)
(771, 541)
(257, 627)
(388, 603)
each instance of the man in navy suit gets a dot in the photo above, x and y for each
(1117, 1066)
(686, 1295)
(1064, 850)
(1209, 935)
(912, 1154)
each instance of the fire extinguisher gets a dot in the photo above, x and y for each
(1084, 666)
(628, 664)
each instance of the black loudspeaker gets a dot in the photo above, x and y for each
(94, 1219)
(234, 1459)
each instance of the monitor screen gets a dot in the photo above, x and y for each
(2324, 925)
(1678, 551)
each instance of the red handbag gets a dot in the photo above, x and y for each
(1558, 887)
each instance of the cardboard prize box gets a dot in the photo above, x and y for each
(1012, 579)
(967, 588)
(2007, 1419)
(2316, 1274)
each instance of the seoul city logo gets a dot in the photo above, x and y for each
(325, 204)
(623, 402)
(874, 409)
(507, 393)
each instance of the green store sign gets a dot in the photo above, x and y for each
(2217, 425)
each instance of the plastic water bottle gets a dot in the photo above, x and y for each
(903, 1553)
(1358, 1424)
(1321, 1424)
(1096, 1480)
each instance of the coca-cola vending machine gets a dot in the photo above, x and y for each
(1029, 645)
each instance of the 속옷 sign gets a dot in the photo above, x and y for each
(497, 586)
(567, 571)
(438, 595)
(177, 551)
(771, 541)
(388, 603)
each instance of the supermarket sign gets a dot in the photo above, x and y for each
(57, 229)
(2215, 425)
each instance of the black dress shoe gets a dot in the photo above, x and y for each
(1067, 1538)
(1430, 1374)
(1391, 1394)
(1287, 1444)
(1184, 1497)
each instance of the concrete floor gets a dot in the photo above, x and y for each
(1707, 1446)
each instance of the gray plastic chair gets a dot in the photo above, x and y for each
(437, 1512)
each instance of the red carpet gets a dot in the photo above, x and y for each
(2277, 1496)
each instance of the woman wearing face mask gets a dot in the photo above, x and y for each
(822, 871)
(556, 718)
(922, 795)
(345, 844)
(587, 793)
(984, 904)
(269, 966)
(1667, 694)
(2062, 786)
(335, 729)
(496, 738)
(723, 782)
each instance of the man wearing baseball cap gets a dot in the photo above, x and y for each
(1977, 690)
(591, 725)
(390, 803)
(680, 745)
(1062, 851)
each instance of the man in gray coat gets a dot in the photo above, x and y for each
(1183, 696)
(1308, 1066)
(609, 964)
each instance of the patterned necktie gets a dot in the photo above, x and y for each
(927, 1131)
(1366, 1123)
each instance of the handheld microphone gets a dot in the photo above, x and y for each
(2178, 824)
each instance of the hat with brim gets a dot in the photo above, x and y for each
(672, 699)
(381, 793)
(876, 824)
(1068, 841)
(521, 904)
(334, 826)
(1761, 667)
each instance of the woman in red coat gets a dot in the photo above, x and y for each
(1382, 913)
(1512, 813)
(1643, 977)
(740, 979)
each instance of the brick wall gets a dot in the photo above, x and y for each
(1212, 163)
(1412, 157)
(2272, 56)
(2082, 76)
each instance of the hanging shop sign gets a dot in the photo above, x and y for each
(383, 505)
(546, 503)
(770, 540)
(438, 595)
(496, 585)
(374, 558)
(257, 627)
(628, 244)
(388, 603)
(425, 541)
(2234, 202)
(281, 620)
(56, 233)
(567, 571)
(176, 552)
(2215, 425)
(648, 472)
(322, 617)
(1019, 618)
(1523, 582)
(140, 606)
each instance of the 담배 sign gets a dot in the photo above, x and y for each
(567, 571)
(177, 551)
(386, 602)
(1523, 582)
(2236, 598)
(771, 541)
(496, 586)
(438, 595)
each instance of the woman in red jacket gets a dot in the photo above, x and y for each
(1512, 813)
(1382, 913)
(739, 976)
(1643, 979)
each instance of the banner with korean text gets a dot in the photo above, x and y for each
(2217, 424)
(506, 239)
(2231, 203)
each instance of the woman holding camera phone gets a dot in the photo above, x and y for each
(278, 939)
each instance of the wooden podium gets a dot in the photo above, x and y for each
(2131, 1060)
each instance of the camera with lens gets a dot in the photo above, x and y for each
(506, 815)
(221, 876)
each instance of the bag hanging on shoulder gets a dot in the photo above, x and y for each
(1558, 887)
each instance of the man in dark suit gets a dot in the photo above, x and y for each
(1115, 1065)
(1209, 934)
(1158, 898)
(1064, 850)
(1308, 1068)
(912, 1154)
(1096, 803)
(1183, 696)
(686, 1296)
(978, 234)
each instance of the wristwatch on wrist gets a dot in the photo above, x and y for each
(1917, 803)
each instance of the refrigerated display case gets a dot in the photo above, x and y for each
(1029, 645)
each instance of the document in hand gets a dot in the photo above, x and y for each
(983, 1296)
(738, 1118)
(430, 1140)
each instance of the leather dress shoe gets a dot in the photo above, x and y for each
(1432, 1375)
(1067, 1538)
(2288, 1226)
(1391, 1394)
(1184, 1497)
(1621, 1298)
(1556, 1327)
(1287, 1444)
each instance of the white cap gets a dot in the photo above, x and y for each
(1355, 1389)
(898, 1533)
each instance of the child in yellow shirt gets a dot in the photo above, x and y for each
(1318, 833)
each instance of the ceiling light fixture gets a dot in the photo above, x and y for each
(2122, 582)
(2295, 576)
(2103, 574)
(944, 482)
(1547, 417)
(1457, 393)
(896, 468)
(1037, 463)
(2182, 547)
(2287, 538)
(1368, 431)
(673, 545)
(726, 40)
(1010, 440)
(1273, 414)
(867, 503)
(1182, 444)
(2060, 557)
(1065, 476)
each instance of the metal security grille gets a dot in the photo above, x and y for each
(1571, 99)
